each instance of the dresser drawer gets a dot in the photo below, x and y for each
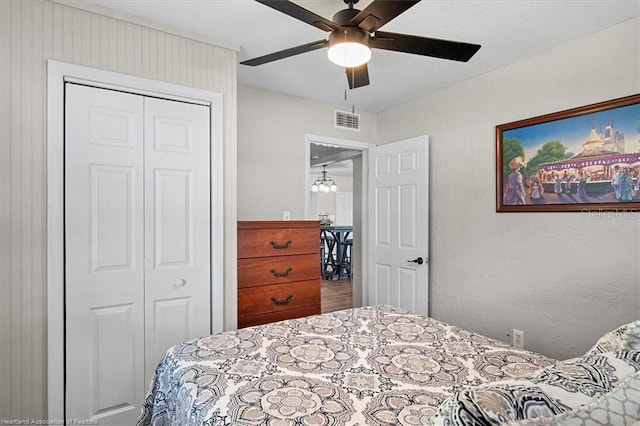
(275, 270)
(249, 321)
(278, 297)
(277, 241)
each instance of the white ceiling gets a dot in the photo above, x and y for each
(508, 30)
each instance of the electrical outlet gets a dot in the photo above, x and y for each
(286, 215)
(517, 338)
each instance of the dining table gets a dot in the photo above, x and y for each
(333, 239)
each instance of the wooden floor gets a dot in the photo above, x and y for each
(336, 295)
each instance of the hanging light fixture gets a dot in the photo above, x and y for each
(324, 183)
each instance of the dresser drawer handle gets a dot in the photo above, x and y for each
(280, 246)
(283, 301)
(281, 274)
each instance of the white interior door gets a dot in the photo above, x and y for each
(137, 244)
(398, 223)
(177, 272)
(104, 252)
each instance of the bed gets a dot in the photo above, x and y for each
(364, 366)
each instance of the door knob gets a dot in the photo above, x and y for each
(417, 260)
(181, 282)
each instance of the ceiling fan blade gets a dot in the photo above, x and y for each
(445, 49)
(303, 48)
(358, 76)
(379, 12)
(301, 14)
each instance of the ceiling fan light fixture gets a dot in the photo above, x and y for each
(349, 55)
(350, 48)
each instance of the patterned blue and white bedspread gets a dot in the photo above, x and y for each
(364, 366)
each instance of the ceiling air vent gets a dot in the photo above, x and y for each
(346, 120)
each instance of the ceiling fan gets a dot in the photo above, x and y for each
(353, 33)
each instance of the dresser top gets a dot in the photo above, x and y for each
(262, 224)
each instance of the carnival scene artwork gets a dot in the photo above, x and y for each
(591, 158)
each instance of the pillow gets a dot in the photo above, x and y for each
(620, 406)
(568, 390)
(499, 404)
(623, 338)
(632, 338)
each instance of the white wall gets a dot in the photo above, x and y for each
(30, 33)
(271, 149)
(563, 278)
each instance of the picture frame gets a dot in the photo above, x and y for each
(579, 160)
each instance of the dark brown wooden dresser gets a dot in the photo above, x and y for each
(278, 270)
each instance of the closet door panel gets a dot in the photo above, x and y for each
(137, 243)
(104, 254)
(173, 209)
(173, 322)
(177, 209)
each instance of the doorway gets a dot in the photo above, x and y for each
(335, 211)
(346, 162)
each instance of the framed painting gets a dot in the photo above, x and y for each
(582, 159)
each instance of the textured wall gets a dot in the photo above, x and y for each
(563, 278)
(31, 32)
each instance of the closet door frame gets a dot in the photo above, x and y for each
(58, 73)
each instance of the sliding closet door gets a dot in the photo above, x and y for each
(104, 252)
(137, 244)
(177, 214)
